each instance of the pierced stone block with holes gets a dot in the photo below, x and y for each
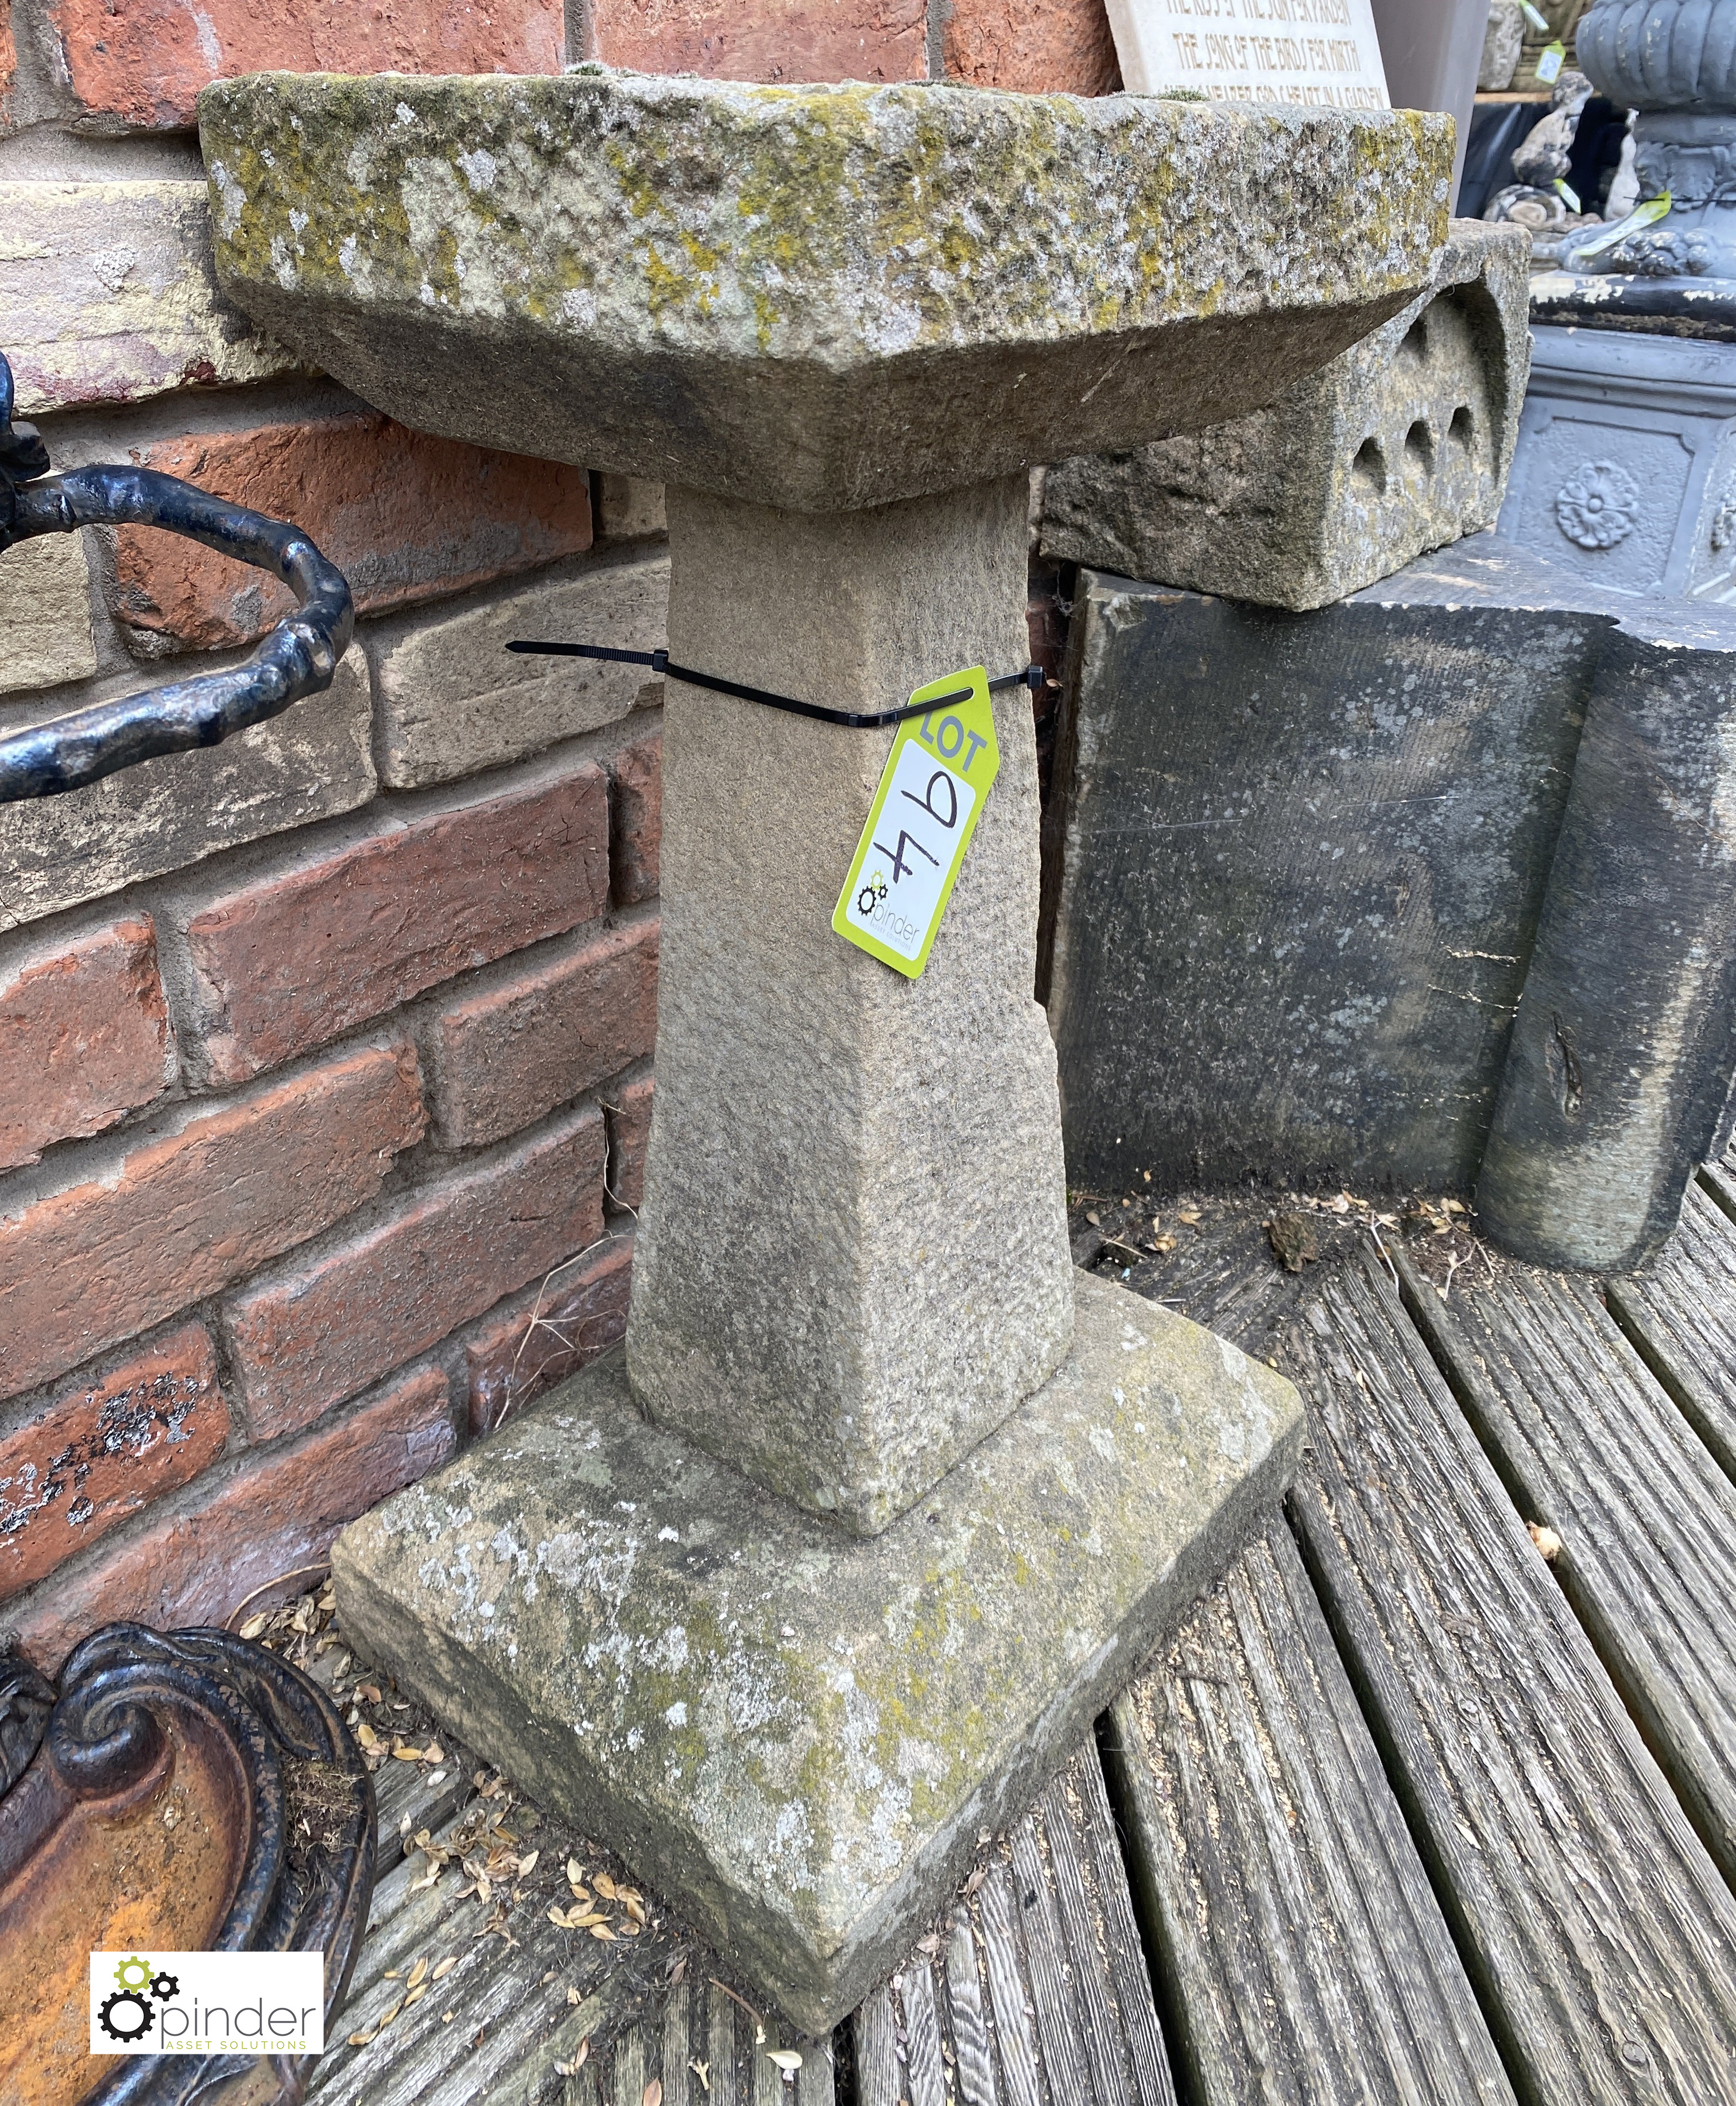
(1400, 445)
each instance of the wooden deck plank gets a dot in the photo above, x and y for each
(1680, 1316)
(926, 2073)
(536, 2075)
(407, 1796)
(1599, 1936)
(1010, 2004)
(876, 2029)
(1303, 1953)
(976, 2051)
(817, 2081)
(407, 1799)
(502, 2010)
(677, 2071)
(1059, 2028)
(511, 2019)
(506, 2024)
(1129, 1968)
(1591, 1445)
(627, 2078)
(1034, 1991)
(700, 2048)
(721, 2048)
(1221, 1272)
(1099, 2032)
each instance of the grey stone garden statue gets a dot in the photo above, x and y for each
(883, 1501)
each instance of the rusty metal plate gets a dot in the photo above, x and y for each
(182, 1792)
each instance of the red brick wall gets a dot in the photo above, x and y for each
(8, 65)
(1032, 45)
(325, 1054)
(142, 63)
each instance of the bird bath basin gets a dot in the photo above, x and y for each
(814, 297)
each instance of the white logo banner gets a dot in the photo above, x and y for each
(208, 2003)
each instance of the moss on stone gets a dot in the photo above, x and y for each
(777, 1723)
(701, 239)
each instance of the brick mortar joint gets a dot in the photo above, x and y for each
(460, 1340)
(19, 1410)
(25, 1406)
(93, 432)
(940, 13)
(180, 898)
(98, 1158)
(421, 1172)
(67, 1163)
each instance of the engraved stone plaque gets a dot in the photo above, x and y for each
(1252, 51)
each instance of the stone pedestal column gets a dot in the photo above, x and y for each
(852, 1300)
(853, 1261)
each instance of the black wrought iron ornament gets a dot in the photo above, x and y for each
(226, 1787)
(297, 659)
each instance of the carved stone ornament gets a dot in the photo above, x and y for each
(1664, 254)
(1526, 206)
(1598, 505)
(188, 1791)
(1707, 177)
(1675, 62)
(1724, 523)
(1659, 54)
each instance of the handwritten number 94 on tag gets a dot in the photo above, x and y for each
(930, 794)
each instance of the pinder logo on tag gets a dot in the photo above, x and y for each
(126, 2014)
(208, 2003)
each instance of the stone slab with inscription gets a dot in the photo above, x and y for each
(1323, 51)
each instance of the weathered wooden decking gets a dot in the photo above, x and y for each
(1432, 1798)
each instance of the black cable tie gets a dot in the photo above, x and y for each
(1030, 676)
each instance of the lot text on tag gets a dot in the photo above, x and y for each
(930, 794)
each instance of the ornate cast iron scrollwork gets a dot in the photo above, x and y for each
(154, 1737)
(298, 658)
(25, 1700)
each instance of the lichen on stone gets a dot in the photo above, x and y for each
(720, 236)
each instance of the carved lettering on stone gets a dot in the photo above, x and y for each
(1252, 51)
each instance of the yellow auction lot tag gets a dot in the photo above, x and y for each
(931, 791)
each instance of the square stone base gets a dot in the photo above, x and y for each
(795, 1736)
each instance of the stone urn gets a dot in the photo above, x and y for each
(1675, 62)
(819, 1579)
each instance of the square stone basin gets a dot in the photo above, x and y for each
(816, 297)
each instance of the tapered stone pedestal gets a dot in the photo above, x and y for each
(853, 1261)
(882, 1504)
(799, 1734)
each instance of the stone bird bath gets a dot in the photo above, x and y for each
(882, 1502)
